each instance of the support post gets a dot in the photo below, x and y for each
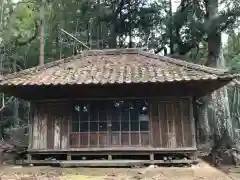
(69, 157)
(194, 156)
(109, 157)
(152, 156)
(29, 158)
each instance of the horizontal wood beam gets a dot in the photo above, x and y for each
(160, 98)
(108, 163)
(116, 149)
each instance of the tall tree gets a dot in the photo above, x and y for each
(232, 50)
(199, 22)
(41, 34)
(18, 29)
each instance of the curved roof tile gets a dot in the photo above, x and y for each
(113, 66)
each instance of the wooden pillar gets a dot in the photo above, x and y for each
(193, 127)
(152, 156)
(31, 122)
(1, 157)
(193, 156)
(109, 157)
(69, 157)
(29, 158)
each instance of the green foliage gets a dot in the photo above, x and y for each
(198, 55)
(194, 23)
(232, 51)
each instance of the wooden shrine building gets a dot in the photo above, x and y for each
(113, 103)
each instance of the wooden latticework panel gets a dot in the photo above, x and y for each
(134, 123)
(110, 123)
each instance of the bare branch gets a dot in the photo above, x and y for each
(75, 39)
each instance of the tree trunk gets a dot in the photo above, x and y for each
(41, 56)
(98, 25)
(214, 45)
(113, 35)
(214, 115)
(214, 36)
(15, 102)
(130, 44)
(1, 66)
(171, 29)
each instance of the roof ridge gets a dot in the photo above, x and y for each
(180, 62)
(95, 52)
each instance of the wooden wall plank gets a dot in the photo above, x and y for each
(70, 116)
(103, 139)
(57, 135)
(182, 122)
(178, 124)
(30, 125)
(164, 126)
(74, 140)
(50, 130)
(35, 130)
(145, 139)
(93, 139)
(64, 134)
(134, 138)
(43, 132)
(64, 127)
(51, 126)
(155, 124)
(124, 139)
(115, 139)
(172, 126)
(40, 127)
(84, 139)
(192, 120)
(187, 123)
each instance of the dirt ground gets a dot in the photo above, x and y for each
(201, 171)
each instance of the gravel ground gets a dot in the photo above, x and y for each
(201, 171)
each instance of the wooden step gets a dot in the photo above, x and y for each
(108, 163)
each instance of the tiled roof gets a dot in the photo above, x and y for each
(114, 66)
